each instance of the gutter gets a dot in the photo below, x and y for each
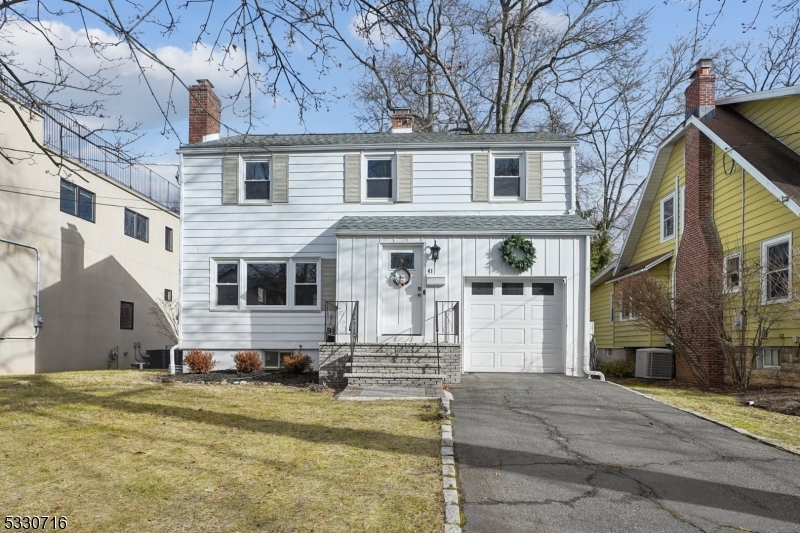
(38, 320)
(392, 232)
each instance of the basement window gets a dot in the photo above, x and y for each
(770, 358)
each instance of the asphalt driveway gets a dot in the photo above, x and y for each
(546, 453)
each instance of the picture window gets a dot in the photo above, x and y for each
(266, 284)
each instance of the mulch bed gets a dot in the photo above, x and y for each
(306, 380)
(779, 400)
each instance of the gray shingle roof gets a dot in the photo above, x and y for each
(373, 139)
(503, 223)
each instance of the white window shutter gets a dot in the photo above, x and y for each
(352, 178)
(328, 278)
(533, 176)
(230, 179)
(405, 178)
(280, 170)
(480, 177)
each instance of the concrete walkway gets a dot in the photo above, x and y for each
(540, 453)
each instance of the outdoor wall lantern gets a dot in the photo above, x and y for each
(435, 251)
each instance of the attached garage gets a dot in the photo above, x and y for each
(514, 325)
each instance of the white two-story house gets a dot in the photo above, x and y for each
(329, 244)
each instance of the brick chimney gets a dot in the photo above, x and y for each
(204, 112)
(402, 120)
(700, 252)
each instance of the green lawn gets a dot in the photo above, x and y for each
(781, 428)
(116, 451)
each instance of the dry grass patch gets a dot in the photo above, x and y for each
(115, 451)
(724, 407)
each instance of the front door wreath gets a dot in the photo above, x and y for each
(510, 251)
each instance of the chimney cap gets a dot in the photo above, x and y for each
(400, 110)
(205, 82)
(702, 67)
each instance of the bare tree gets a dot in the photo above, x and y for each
(165, 317)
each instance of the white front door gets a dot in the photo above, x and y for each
(514, 325)
(401, 297)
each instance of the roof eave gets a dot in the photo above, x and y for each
(504, 231)
(603, 275)
(761, 95)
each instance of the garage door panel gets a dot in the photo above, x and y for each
(512, 336)
(482, 311)
(481, 336)
(512, 311)
(512, 361)
(479, 359)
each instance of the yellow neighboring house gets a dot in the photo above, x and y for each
(731, 175)
(106, 236)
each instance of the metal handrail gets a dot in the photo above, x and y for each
(446, 325)
(68, 138)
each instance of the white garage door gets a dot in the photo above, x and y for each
(514, 326)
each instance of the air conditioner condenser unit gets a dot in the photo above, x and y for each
(654, 363)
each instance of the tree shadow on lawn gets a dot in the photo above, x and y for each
(773, 505)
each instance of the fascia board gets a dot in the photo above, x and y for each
(745, 164)
(498, 232)
(657, 168)
(761, 95)
(599, 278)
(643, 269)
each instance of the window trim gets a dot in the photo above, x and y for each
(522, 177)
(681, 208)
(631, 315)
(765, 245)
(725, 288)
(169, 243)
(243, 175)
(77, 191)
(137, 216)
(665, 199)
(365, 159)
(761, 357)
(242, 285)
(133, 315)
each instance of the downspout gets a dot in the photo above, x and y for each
(180, 271)
(678, 230)
(587, 287)
(37, 318)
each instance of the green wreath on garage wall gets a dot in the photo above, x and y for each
(514, 243)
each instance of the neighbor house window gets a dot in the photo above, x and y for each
(126, 315)
(507, 177)
(776, 262)
(770, 358)
(77, 201)
(136, 225)
(305, 284)
(682, 208)
(266, 284)
(379, 178)
(227, 284)
(167, 295)
(256, 180)
(732, 272)
(626, 308)
(668, 217)
(168, 239)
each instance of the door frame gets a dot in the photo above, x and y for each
(384, 246)
(467, 280)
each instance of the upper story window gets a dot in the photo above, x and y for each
(168, 239)
(77, 201)
(732, 272)
(668, 217)
(380, 178)
(136, 225)
(257, 181)
(507, 177)
(776, 261)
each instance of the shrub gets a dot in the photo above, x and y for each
(296, 363)
(619, 369)
(247, 362)
(199, 362)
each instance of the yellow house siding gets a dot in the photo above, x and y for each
(627, 334)
(600, 313)
(650, 244)
(778, 116)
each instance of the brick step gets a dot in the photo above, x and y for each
(373, 358)
(384, 368)
(378, 364)
(409, 380)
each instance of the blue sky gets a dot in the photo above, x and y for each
(135, 104)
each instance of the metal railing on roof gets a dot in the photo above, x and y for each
(68, 138)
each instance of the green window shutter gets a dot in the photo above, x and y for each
(328, 281)
(480, 177)
(230, 179)
(280, 169)
(533, 176)
(405, 178)
(352, 178)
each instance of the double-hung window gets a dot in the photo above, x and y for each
(136, 225)
(380, 178)
(776, 263)
(668, 217)
(77, 201)
(507, 177)
(625, 308)
(257, 181)
(732, 272)
(268, 284)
